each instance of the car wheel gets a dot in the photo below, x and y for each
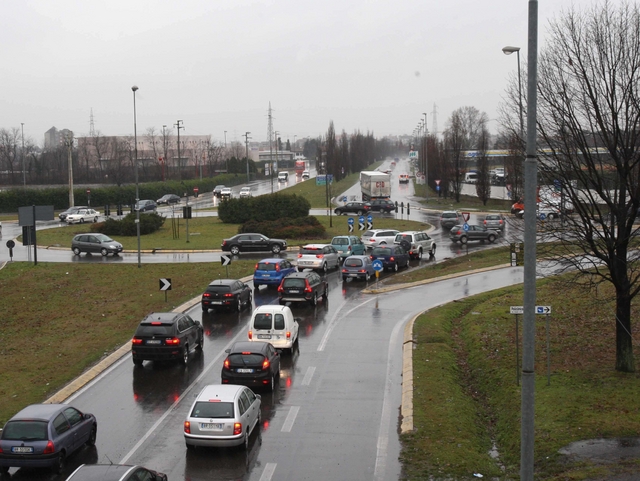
(491, 238)
(272, 384)
(463, 240)
(95, 219)
(92, 436)
(200, 344)
(76, 251)
(360, 212)
(245, 444)
(104, 252)
(82, 221)
(395, 267)
(190, 447)
(137, 361)
(282, 303)
(325, 268)
(249, 299)
(419, 256)
(185, 355)
(367, 277)
(325, 296)
(344, 278)
(235, 250)
(275, 248)
(205, 308)
(314, 300)
(239, 304)
(256, 287)
(60, 463)
(432, 252)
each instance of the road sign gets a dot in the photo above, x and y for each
(11, 244)
(225, 260)
(437, 188)
(466, 216)
(369, 218)
(344, 199)
(516, 310)
(437, 182)
(350, 228)
(465, 226)
(350, 221)
(539, 310)
(361, 219)
(542, 216)
(369, 225)
(165, 284)
(377, 265)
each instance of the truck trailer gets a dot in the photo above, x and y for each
(375, 185)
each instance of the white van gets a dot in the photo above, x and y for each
(275, 325)
(471, 177)
(283, 176)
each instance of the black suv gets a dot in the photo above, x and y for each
(359, 208)
(251, 363)
(217, 190)
(164, 336)
(303, 286)
(226, 293)
(381, 205)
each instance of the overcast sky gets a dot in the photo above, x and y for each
(365, 64)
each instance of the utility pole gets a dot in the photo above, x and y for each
(426, 165)
(246, 152)
(24, 172)
(178, 126)
(226, 156)
(69, 143)
(277, 164)
(270, 135)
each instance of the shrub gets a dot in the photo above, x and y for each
(263, 208)
(299, 228)
(149, 223)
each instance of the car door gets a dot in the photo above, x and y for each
(64, 438)
(192, 331)
(79, 428)
(245, 242)
(260, 243)
(274, 359)
(251, 407)
(93, 244)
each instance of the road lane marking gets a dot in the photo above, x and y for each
(291, 417)
(308, 375)
(385, 417)
(334, 321)
(269, 469)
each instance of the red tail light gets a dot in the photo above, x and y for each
(250, 335)
(49, 449)
(187, 427)
(371, 257)
(256, 268)
(266, 364)
(228, 294)
(225, 364)
(288, 335)
(224, 242)
(349, 248)
(135, 341)
(344, 271)
(277, 267)
(319, 256)
(485, 222)
(174, 341)
(391, 259)
(307, 287)
(280, 288)
(299, 256)
(500, 221)
(237, 428)
(206, 294)
(362, 271)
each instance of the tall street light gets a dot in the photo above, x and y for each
(225, 151)
(135, 144)
(246, 151)
(426, 165)
(508, 51)
(24, 172)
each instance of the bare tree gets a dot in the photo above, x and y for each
(589, 119)
(454, 142)
(483, 183)
(331, 151)
(9, 153)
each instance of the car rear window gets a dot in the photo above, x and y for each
(449, 215)
(266, 266)
(262, 321)
(218, 288)
(26, 431)
(353, 262)
(311, 250)
(242, 359)
(220, 410)
(294, 282)
(279, 322)
(149, 330)
(407, 237)
(369, 233)
(493, 217)
(381, 251)
(340, 242)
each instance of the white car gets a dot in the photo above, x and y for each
(225, 193)
(305, 175)
(378, 237)
(222, 415)
(245, 192)
(82, 216)
(320, 257)
(275, 325)
(417, 243)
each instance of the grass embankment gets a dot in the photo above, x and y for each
(466, 399)
(467, 202)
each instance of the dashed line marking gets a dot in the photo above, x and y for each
(291, 417)
(308, 375)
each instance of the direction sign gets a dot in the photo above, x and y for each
(165, 284)
(465, 226)
(437, 182)
(344, 199)
(369, 225)
(361, 219)
(350, 221)
(466, 216)
(377, 265)
(369, 218)
(516, 310)
(542, 216)
(539, 310)
(350, 228)
(225, 260)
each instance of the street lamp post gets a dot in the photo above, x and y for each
(24, 172)
(135, 147)
(426, 148)
(69, 143)
(508, 51)
(246, 152)
(225, 151)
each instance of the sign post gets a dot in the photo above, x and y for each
(539, 310)
(361, 222)
(377, 266)
(165, 285)
(225, 261)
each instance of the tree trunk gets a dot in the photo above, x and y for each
(624, 344)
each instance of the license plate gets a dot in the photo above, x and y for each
(264, 336)
(216, 302)
(154, 342)
(266, 275)
(211, 426)
(353, 275)
(294, 291)
(22, 449)
(244, 370)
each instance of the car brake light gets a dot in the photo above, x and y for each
(277, 267)
(371, 257)
(288, 335)
(237, 428)
(49, 449)
(224, 242)
(174, 341)
(135, 340)
(391, 259)
(349, 248)
(280, 288)
(250, 335)
(500, 221)
(319, 256)
(307, 287)
(266, 364)
(299, 256)
(156, 323)
(225, 364)
(344, 270)
(256, 268)
(228, 294)
(187, 427)
(485, 222)
(206, 294)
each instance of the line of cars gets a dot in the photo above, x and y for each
(492, 227)
(385, 206)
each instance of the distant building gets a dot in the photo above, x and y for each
(53, 138)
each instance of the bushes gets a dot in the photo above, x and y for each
(299, 228)
(149, 223)
(263, 208)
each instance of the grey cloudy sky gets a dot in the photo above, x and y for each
(365, 64)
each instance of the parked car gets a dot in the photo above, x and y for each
(416, 243)
(91, 243)
(274, 324)
(245, 192)
(168, 199)
(71, 210)
(115, 472)
(305, 286)
(382, 205)
(44, 436)
(378, 237)
(348, 245)
(82, 216)
(146, 206)
(392, 257)
(164, 336)
(403, 179)
(321, 257)
(253, 243)
(305, 175)
(217, 190)
(251, 364)
(270, 272)
(357, 267)
(360, 208)
(231, 293)
(495, 221)
(222, 415)
(283, 176)
(475, 232)
(449, 218)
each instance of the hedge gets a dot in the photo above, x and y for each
(263, 208)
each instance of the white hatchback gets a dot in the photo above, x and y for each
(245, 192)
(378, 237)
(222, 415)
(320, 257)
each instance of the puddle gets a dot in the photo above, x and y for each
(604, 450)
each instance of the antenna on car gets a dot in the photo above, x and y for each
(110, 462)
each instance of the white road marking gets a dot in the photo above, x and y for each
(385, 417)
(308, 375)
(334, 321)
(269, 469)
(291, 417)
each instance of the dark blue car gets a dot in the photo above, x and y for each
(392, 257)
(270, 272)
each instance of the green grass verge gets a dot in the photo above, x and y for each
(467, 202)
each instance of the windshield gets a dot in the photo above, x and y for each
(104, 238)
(340, 241)
(381, 251)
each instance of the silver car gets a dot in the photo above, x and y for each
(495, 222)
(320, 257)
(222, 415)
(378, 237)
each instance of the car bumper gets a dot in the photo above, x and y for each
(295, 298)
(260, 379)
(310, 264)
(214, 304)
(214, 442)
(28, 460)
(269, 281)
(156, 354)
(277, 343)
(356, 275)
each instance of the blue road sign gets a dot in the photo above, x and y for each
(465, 227)
(369, 218)
(361, 219)
(350, 221)
(543, 216)
(344, 199)
(437, 188)
(377, 265)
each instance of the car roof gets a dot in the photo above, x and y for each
(357, 257)
(407, 232)
(39, 411)
(377, 231)
(302, 274)
(164, 317)
(271, 260)
(249, 346)
(272, 307)
(101, 472)
(223, 392)
(315, 246)
(222, 282)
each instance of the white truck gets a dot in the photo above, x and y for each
(375, 185)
